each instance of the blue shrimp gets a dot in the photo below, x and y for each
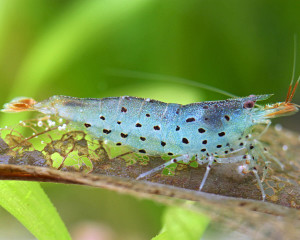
(210, 131)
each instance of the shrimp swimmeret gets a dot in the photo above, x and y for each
(210, 131)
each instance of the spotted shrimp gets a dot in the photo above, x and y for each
(210, 131)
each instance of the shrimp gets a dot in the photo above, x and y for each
(210, 131)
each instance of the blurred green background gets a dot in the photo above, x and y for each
(70, 48)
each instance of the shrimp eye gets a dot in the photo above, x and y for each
(249, 104)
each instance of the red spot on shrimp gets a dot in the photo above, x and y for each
(249, 104)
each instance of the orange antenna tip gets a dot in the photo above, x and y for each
(291, 92)
(281, 109)
(288, 94)
(19, 105)
(294, 90)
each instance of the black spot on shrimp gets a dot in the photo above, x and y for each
(190, 120)
(156, 128)
(124, 135)
(106, 131)
(143, 139)
(201, 130)
(227, 118)
(221, 134)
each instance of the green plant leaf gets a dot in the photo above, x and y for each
(179, 223)
(30, 205)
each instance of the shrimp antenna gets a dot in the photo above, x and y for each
(292, 90)
(159, 77)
